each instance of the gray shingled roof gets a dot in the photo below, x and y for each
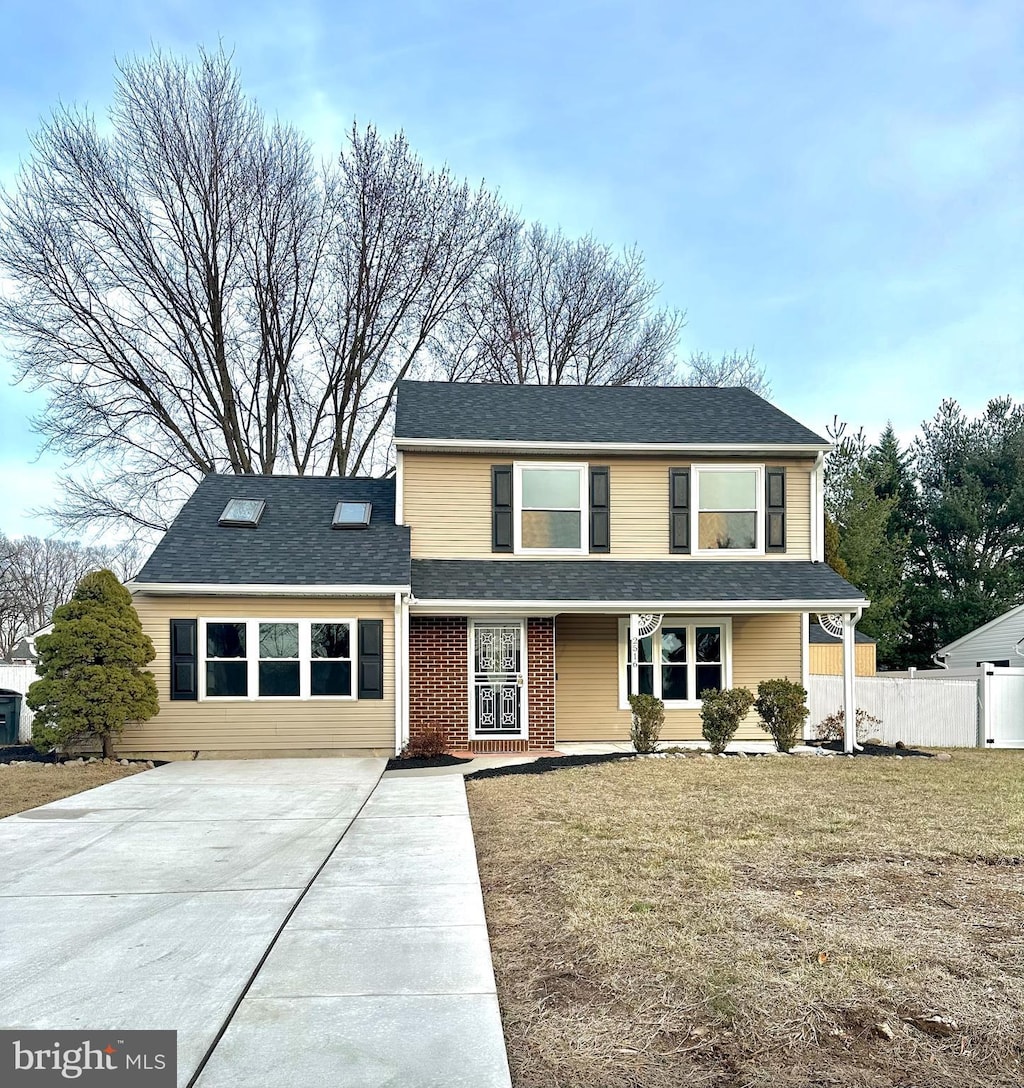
(627, 580)
(591, 413)
(819, 637)
(293, 544)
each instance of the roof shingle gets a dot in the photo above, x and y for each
(566, 580)
(682, 415)
(293, 544)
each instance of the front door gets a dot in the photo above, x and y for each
(498, 689)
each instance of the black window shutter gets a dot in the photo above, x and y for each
(600, 524)
(371, 659)
(775, 510)
(184, 634)
(679, 510)
(501, 508)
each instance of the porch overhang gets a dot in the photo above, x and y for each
(693, 586)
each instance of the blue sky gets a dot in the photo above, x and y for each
(838, 185)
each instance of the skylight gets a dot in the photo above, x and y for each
(352, 515)
(243, 513)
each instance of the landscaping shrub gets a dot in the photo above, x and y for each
(782, 705)
(721, 713)
(427, 745)
(648, 718)
(831, 728)
(91, 676)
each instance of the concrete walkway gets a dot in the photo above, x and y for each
(239, 904)
(383, 974)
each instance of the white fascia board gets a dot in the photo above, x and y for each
(479, 445)
(420, 606)
(196, 589)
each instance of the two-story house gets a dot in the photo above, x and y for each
(541, 552)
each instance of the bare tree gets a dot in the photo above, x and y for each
(197, 295)
(551, 310)
(37, 575)
(732, 369)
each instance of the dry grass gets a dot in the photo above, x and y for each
(758, 922)
(25, 786)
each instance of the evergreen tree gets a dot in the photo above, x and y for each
(91, 668)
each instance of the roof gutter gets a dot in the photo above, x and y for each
(217, 589)
(442, 606)
(497, 445)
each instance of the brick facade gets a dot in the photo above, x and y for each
(439, 678)
(439, 683)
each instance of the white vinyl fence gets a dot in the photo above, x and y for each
(945, 708)
(18, 678)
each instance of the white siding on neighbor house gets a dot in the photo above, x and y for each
(19, 678)
(994, 641)
(931, 711)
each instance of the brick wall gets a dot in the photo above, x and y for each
(439, 678)
(438, 683)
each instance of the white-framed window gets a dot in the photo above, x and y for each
(684, 657)
(264, 659)
(728, 509)
(550, 508)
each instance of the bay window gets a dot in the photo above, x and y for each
(682, 659)
(276, 659)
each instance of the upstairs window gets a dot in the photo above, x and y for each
(242, 513)
(550, 507)
(728, 510)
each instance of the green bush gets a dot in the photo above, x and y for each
(90, 667)
(648, 718)
(721, 713)
(782, 705)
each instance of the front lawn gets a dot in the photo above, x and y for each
(24, 786)
(773, 921)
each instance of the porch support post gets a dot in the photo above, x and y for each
(633, 653)
(849, 672)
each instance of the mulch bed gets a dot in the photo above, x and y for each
(397, 763)
(873, 749)
(551, 763)
(22, 753)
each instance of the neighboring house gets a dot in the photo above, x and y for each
(541, 552)
(23, 652)
(825, 653)
(999, 642)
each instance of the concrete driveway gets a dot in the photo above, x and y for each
(226, 898)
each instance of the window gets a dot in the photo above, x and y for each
(331, 654)
(277, 659)
(352, 515)
(550, 502)
(243, 513)
(679, 661)
(728, 508)
(227, 674)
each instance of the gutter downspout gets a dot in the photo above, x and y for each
(399, 671)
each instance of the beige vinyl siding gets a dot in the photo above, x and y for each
(827, 660)
(587, 664)
(447, 502)
(256, 725)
